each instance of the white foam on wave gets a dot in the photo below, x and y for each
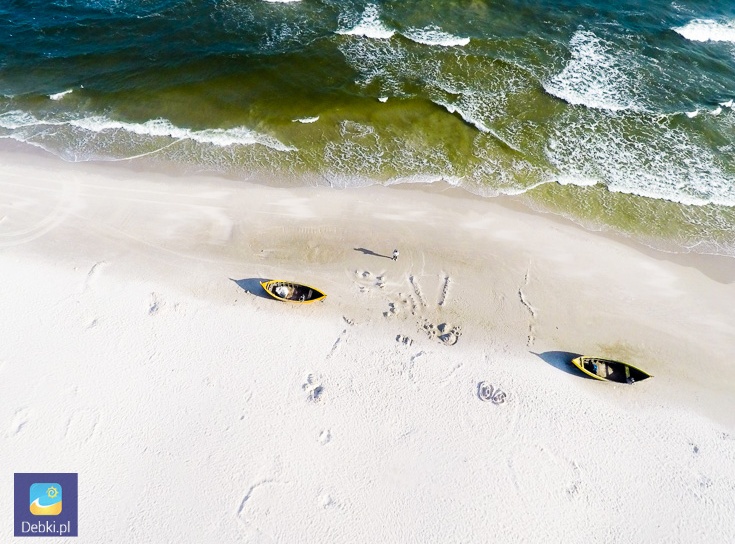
(433, 35)
(475, 122)
(727, 104)
(16, 119)
(454, 181)
(580, 181)
(650, 158)
(62, 94)
(369, 25)
(19, 120)
(281, 1)
(384, 60)
(478, 124)
(692, 114)
(707, 30)
(360, 156)
(162, 127)
(594, 77)
(306, 120)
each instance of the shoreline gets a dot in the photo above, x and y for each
(316, 240)
(135, 327)
(719, 267)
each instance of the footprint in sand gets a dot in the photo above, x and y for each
(444, 332)
(406, 368)
(449, 335)
(313, 388)
(327, 501)
(155, 304)
(404, 306)
(20, 419)
(414, 303)
(410, 303)
(405, 340)
(487, 393)
(325, 437)
(366, 281)
(444, 290)
(91, 278)
(531, 336)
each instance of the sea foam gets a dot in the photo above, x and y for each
(369, 25)
(30, 126)
(473, 118)
(466, 116)
(59, 96)
(707, 30)
(594, 77)
(433, 35)
(662, 161)
(580, 181)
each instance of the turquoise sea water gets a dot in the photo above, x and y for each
(619, 117)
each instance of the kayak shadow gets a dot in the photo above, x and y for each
(563, 361)
(252, 286)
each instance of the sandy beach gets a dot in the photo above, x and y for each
(139, 351)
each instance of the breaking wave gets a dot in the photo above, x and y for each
(595, 77)
(25, 127)
(433, 35)
(59, 96)
(369, 25)
(707, 30)
(662, 161)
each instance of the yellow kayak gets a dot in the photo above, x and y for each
(289, 291)
(609, 370)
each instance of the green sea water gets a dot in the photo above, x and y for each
(618, 117)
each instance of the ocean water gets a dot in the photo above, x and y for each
(620, 116)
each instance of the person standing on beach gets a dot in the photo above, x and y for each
(395, 254)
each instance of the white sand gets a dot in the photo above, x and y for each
(195, 411)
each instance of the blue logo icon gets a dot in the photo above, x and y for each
(45, 499)
(38, 504)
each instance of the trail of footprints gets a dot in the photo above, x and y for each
(313, 388)
(446, 334)
(531, 310)
(366, 280)
(414, 303)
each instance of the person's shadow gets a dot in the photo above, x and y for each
(563, 361)
(371, 252)
(252, 286)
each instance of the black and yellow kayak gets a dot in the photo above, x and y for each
(609, 370)
(289, 291)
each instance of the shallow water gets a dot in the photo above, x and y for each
(618, 117)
